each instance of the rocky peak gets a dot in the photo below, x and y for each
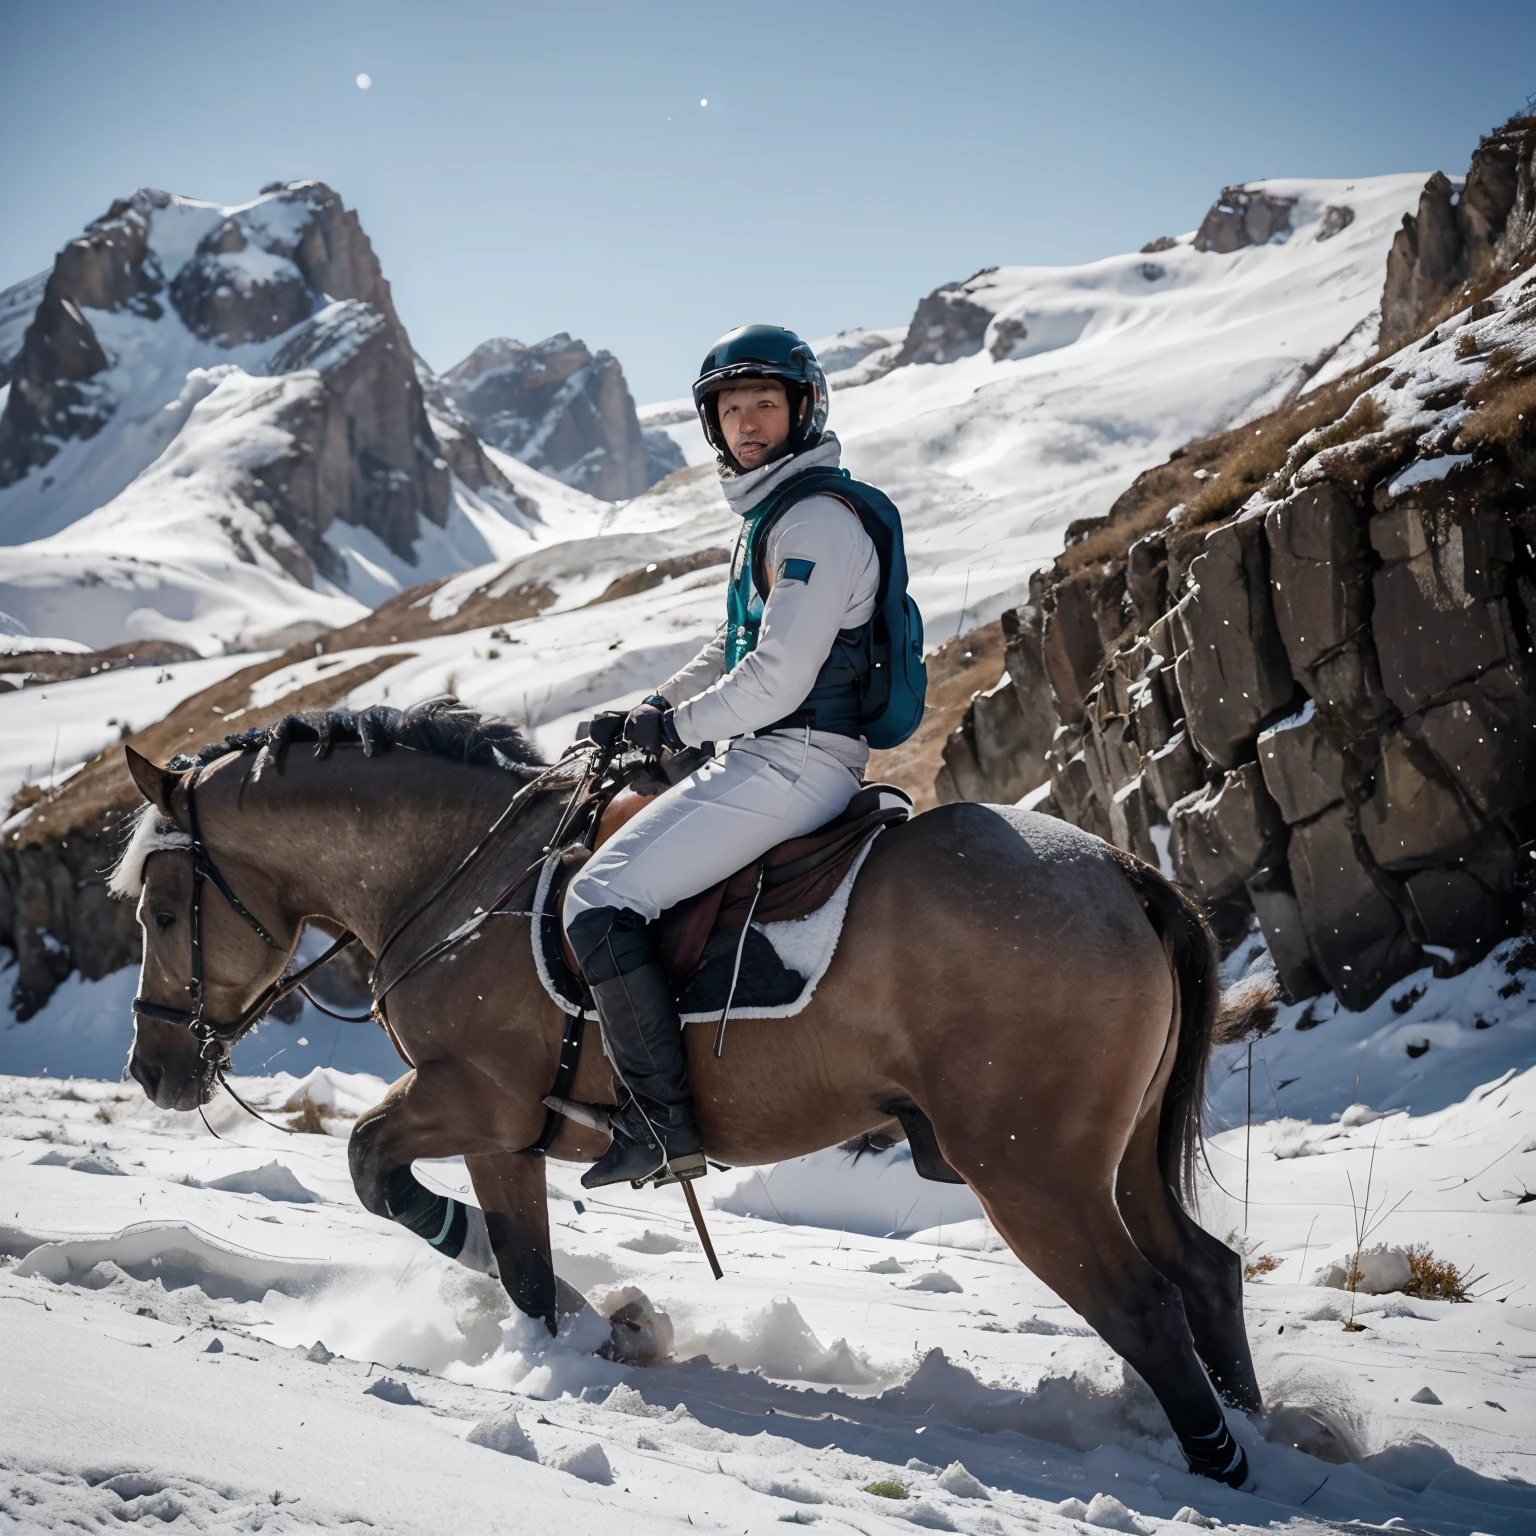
(293, 268)
(1464, 234)
(558, 407)
(950, 323)
(1243, 216)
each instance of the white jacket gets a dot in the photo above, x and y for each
(800, 621)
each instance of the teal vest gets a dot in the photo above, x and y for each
(874, 681)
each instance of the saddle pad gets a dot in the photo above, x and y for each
(781, 963)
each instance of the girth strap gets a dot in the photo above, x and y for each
(565, 1077)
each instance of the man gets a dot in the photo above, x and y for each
(778, 690)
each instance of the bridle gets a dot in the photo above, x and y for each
(216, 1040)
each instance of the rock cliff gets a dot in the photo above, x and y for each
(561, 409)
(1297, 659)
(214, 287)
(1464, 236)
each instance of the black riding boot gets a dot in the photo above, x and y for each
(643, 1038)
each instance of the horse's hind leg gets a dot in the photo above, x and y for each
(1074, 1240)
(1208, 1274)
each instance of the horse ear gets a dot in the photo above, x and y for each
(156, 784)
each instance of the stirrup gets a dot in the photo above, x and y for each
(691, 1165)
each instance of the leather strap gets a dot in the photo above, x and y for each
(565, 1078)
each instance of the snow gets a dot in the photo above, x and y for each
(18, 303)
(1425, 471)
(871, 1327)
(143, 530)
(833, 1356)
(51, 728)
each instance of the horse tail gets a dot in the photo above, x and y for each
(1206, 1017)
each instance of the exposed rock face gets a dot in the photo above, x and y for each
(950, 323)
(17, 306)
(662, 455)
(1463, 239)
(560, 408)
(1337, 217)
(295, 265)
(1328, 689)
(998, 751)
(1243, 216)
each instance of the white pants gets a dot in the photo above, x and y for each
(722, 817)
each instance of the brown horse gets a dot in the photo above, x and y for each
(1048, 1001)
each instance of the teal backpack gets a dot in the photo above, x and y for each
(883, 659)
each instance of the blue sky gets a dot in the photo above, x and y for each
(527, 169)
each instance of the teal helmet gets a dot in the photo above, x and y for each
(764, 352)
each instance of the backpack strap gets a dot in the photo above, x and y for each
(798, 488)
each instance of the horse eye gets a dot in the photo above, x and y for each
(163, 920)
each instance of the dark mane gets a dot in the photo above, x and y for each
(442, 727)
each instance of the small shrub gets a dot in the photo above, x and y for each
(104, 1114)
(308, 1118)
(1265, 1264)
(1404, 1001)
(886, 1488)
(27, 795)
(1467, 345)
(1437, 1279)
(1504, 404)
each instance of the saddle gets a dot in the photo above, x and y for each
(798, 875)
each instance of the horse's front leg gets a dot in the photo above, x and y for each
(422, 1115)
(511, 1189)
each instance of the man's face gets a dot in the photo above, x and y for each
(754, 419)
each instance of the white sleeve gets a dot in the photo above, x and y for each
(824, 574)
(693, 678)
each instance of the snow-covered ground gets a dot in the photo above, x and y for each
(48, 730)
(135, 1239)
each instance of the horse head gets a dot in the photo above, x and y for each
(205, 965)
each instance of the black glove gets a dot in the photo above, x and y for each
(650, 729)
(603, 729)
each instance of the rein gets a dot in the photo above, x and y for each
(216, 1040)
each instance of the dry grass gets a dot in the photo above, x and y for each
(959, 668)
(1213, 477)
(27, 795)
(659, 571)
(1364, 417)
(1437, 1279)
(308, 1118)
(1504, 403)
(1265, 1264)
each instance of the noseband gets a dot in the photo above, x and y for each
(215, 1040)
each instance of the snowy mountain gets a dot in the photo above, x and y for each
(921, 1377)
(563, 410)
(215, 433)
(17, 306)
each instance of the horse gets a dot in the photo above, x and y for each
(1048, 1001)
